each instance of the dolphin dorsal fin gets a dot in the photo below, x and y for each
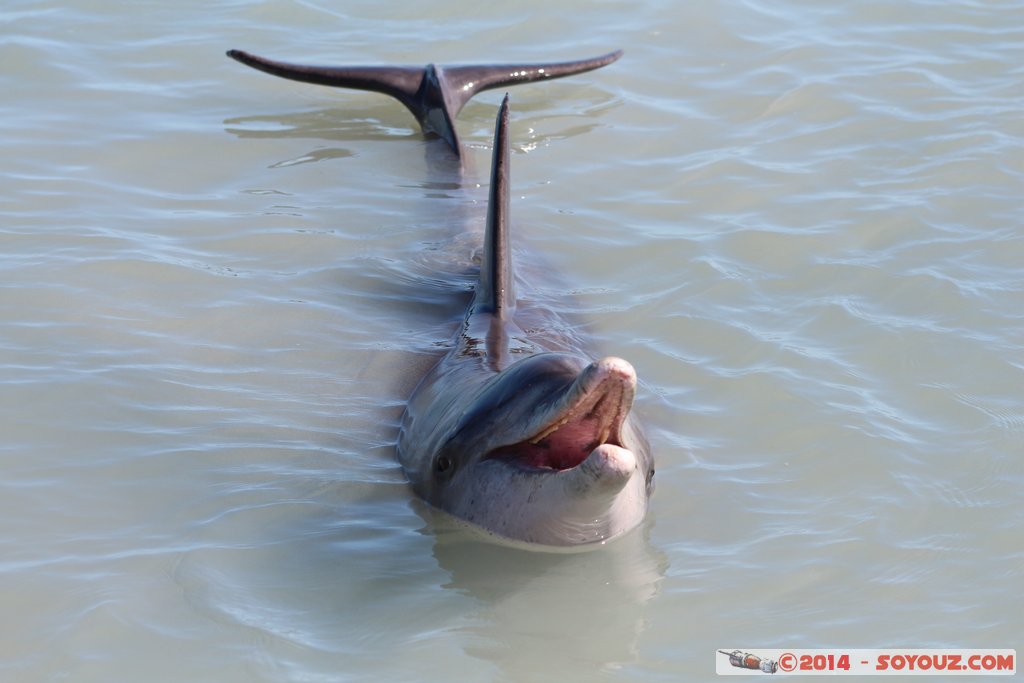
(496, 292)
(434, 94)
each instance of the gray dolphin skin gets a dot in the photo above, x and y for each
(434, 94)
(519, 434)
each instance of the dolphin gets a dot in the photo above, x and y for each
(519, 433)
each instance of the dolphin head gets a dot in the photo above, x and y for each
(545, 452)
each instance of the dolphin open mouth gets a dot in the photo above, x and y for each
(589, 414)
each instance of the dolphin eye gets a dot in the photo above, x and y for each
(443, 464)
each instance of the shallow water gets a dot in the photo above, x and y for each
(802, 224)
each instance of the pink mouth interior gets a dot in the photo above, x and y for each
(567, 446)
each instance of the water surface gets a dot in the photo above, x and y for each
(800, 222)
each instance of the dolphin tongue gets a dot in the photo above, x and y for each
(589, 414)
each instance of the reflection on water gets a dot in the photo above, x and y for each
(326, 589)
(601, 597)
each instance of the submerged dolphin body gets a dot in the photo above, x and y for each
(519, 434)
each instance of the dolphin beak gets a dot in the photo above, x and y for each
(587, 418)
(607, 468)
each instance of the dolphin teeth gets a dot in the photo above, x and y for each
(580, 413)
(550, 430)
(589, 405)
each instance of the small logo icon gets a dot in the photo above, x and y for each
(745, 660)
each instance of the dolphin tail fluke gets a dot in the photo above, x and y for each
(496, 293)
(434, 94)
